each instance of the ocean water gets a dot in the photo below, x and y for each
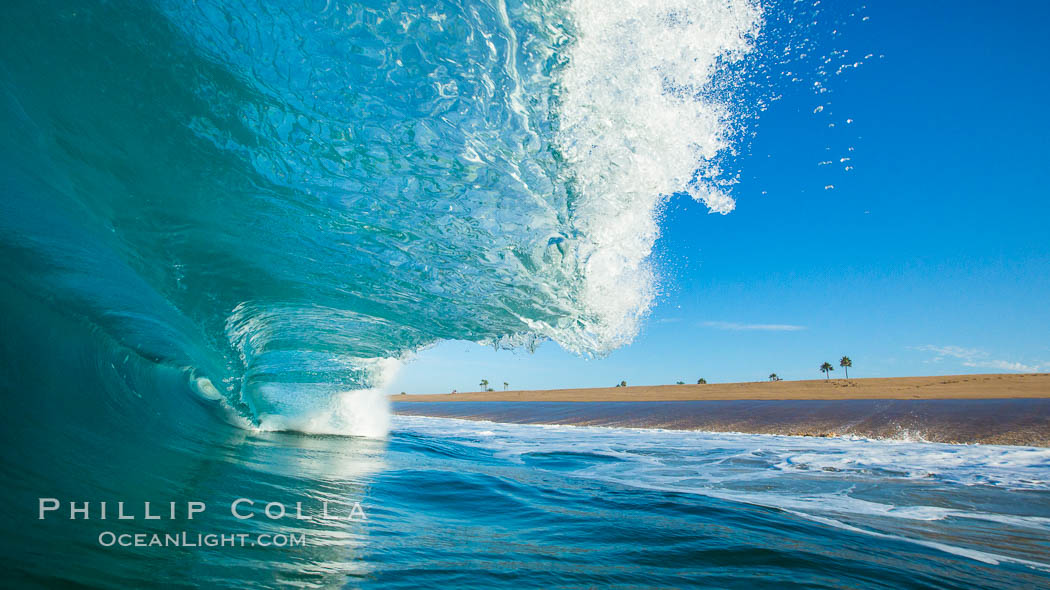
(454, 503)
(224, 225)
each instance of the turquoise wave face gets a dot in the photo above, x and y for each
(283, 200)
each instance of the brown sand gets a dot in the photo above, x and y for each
(993, 386)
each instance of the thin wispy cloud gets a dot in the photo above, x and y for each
(976, 358)
(738, 327)
(1004, 366)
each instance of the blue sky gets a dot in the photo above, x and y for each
(930, 256)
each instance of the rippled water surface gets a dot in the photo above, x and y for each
(453, 503)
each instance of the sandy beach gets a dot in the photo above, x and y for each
(991, 386)
(985, 409)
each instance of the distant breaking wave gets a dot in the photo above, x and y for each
(281, 201)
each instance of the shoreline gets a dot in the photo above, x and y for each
(1017, 421)
(980, 386)
(970, 409)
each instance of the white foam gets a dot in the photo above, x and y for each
(637, 126)
(362, 412)
(1008, 467)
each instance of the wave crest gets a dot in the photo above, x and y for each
(636, 126)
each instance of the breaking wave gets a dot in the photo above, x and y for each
(283, 201)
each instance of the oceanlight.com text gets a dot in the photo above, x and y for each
(186, 539)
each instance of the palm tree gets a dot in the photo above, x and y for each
(484, 385)
(505, 385)
(846, 363)
(774, 377)
(826, 368)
